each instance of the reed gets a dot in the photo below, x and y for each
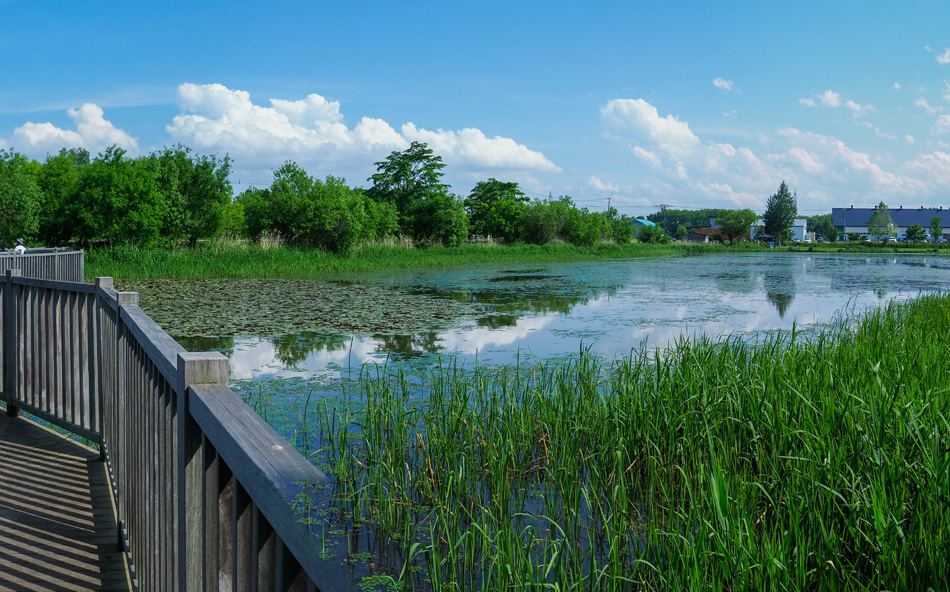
(791, 464)
(230, 260)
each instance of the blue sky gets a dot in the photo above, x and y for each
(689, 104)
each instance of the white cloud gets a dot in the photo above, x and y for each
(648, 157)
(723, 84)
(830, 98)
(597, 184)
(470, 148)
(896, 86)
(944, 58)
(909, 139)
(313, 130)
(934, 168)
(942, 125)
(639, 122)
(730, 114)
(93, 132)
(923, 104)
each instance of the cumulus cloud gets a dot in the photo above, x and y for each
(896, 86)
(640, 123)
(909, 139)
(944, 58)
(93, 132)
(723, 84)
(942, 125)
(830, 98)
(314, 129)
(923, 104)
(933, 168)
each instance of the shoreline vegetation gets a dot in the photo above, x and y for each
(233, 260)
(819, 464)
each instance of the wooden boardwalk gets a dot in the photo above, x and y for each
(57, 523)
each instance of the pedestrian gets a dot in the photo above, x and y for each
(19, 249)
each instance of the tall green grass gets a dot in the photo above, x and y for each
(251, 261)
(819, 464)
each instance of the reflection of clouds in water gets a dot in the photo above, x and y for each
(477, 339)
(658, 301)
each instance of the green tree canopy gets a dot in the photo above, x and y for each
(671, 219)
(406, 178)
(735, 223)
(881, 225)
(822, 226)
(118, 201)
(196, 190)
(496, 209)
(20, 199)
(916, 233)
(780, 212)
(936, 228)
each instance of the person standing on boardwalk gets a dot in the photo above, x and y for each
(19, 249)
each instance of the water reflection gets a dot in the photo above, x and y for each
(611, 307)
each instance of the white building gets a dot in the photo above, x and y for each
(799, 229)
(855, 220)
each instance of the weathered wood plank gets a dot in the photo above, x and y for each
(56, 519)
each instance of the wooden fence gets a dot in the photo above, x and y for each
(205, 490)
(49, 264)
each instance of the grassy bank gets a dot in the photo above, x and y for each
(238, 261)
(818, 465)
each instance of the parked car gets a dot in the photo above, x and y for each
(892, 239)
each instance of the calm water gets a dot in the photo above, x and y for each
(550, 311)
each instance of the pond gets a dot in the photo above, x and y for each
(490, 315)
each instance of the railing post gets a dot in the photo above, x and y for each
(193, 368)
(99, 344)
(119, 399)
(10, 343)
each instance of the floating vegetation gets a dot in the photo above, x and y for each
(279, 306)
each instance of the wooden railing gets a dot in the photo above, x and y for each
(205, 490)
(49, 264)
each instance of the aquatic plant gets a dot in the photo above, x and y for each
(712, 464)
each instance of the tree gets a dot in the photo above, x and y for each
(439, 219)
(881, 225)
(780, 212)
(654, 235)
(916, 233)
(406, 178)
(544, 220)
(196, 190)
(59, 180)
(118, 200)
(822, 226)
(496, 209)
(936, 228)
(681, 232)
(735, 223)
(20, 198)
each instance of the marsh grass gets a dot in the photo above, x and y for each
(818, 464)
(221, 260)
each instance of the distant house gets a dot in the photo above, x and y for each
(799, 229)
(855, 220)
(715, 230)
(695, 237)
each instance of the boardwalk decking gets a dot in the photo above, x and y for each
(57, 525)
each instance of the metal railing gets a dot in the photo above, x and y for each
(204, 487)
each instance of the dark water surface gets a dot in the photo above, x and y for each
(547, 312)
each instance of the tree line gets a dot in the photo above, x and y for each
(175, 196)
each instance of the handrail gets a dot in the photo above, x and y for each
(203, 486)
